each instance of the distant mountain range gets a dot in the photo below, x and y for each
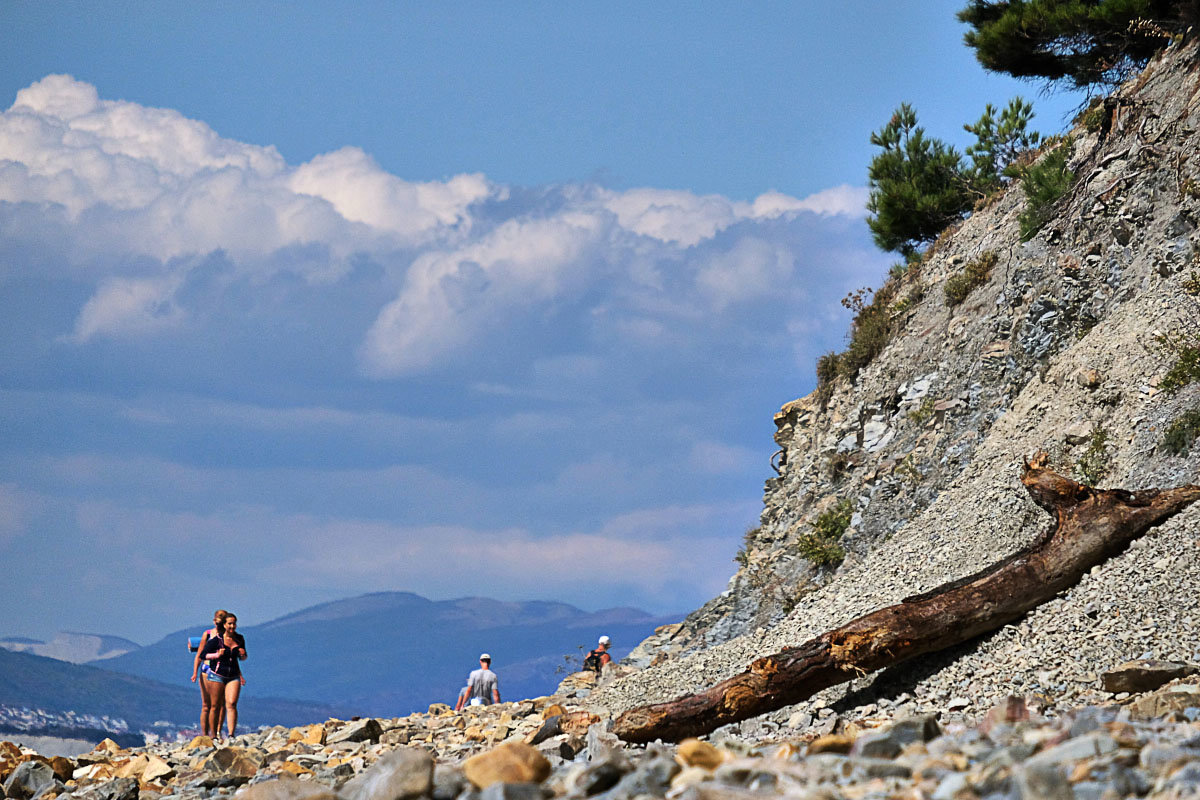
(391, 653)
(78, 648)
(28, 681)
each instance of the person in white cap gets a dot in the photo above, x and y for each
(597, 658)
(483, 687)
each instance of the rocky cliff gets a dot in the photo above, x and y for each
(1056, 349)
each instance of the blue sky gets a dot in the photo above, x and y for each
(460, 299)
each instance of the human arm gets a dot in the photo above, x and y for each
(213, 649)
(462, 698)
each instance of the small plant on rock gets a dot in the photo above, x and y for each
(1092, 117)
(908, 472)
(1186, 367)
(1191, 284)
(572, 662)
(827, 372)
(973, 275)
(921, 414)
(743, 553)
(1044, 182)
(1181, 434)
(1094, 465)
(870, 331)
(820, 546)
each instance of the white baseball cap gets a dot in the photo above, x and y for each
(484, 657)
(605, 640)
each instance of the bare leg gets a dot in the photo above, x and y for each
(205, 706)
(216, 704)
(232, 690)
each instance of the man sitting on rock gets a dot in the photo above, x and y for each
(483, 687)
(596, 659)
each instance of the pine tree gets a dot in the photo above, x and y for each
(916, 185)
(1000, 141)
(1074, 42)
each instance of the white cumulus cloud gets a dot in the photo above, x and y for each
(463, 262)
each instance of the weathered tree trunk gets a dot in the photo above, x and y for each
(1090, 526)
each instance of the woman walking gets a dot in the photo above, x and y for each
(209, 691)
(223, 654)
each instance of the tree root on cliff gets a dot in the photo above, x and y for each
(1091, 525)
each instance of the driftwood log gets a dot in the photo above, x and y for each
(1090, 526)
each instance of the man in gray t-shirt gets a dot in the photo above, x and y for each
(483, 687)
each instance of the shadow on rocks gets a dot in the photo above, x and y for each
(901, 679)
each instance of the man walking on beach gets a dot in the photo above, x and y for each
(483, 687)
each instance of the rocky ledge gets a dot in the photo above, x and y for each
(1143, 740)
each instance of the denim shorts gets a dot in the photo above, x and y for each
(215, 678)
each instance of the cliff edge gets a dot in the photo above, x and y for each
(1057, 348)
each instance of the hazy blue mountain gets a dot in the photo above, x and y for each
(392, 653)
(78, 648)
(37, 682)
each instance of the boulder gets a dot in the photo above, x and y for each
(512, 791)
(116, 789)
(831, 743)
(599, 777)
(309, 734)
(28, 779)
(285, 787)
(550, 728)
(571, 747)
(651, 776)
(511, 762)
(448, 781)
(602, 744)
(889, 741)
(695, 753)
(363, 730)
(132, 767)
(63, 768)
(402, 774)
(577, 722)
(1144, 675)
(1164, 702)
(100, 771)
(396, 736)
(233, 762)
(157, 770)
